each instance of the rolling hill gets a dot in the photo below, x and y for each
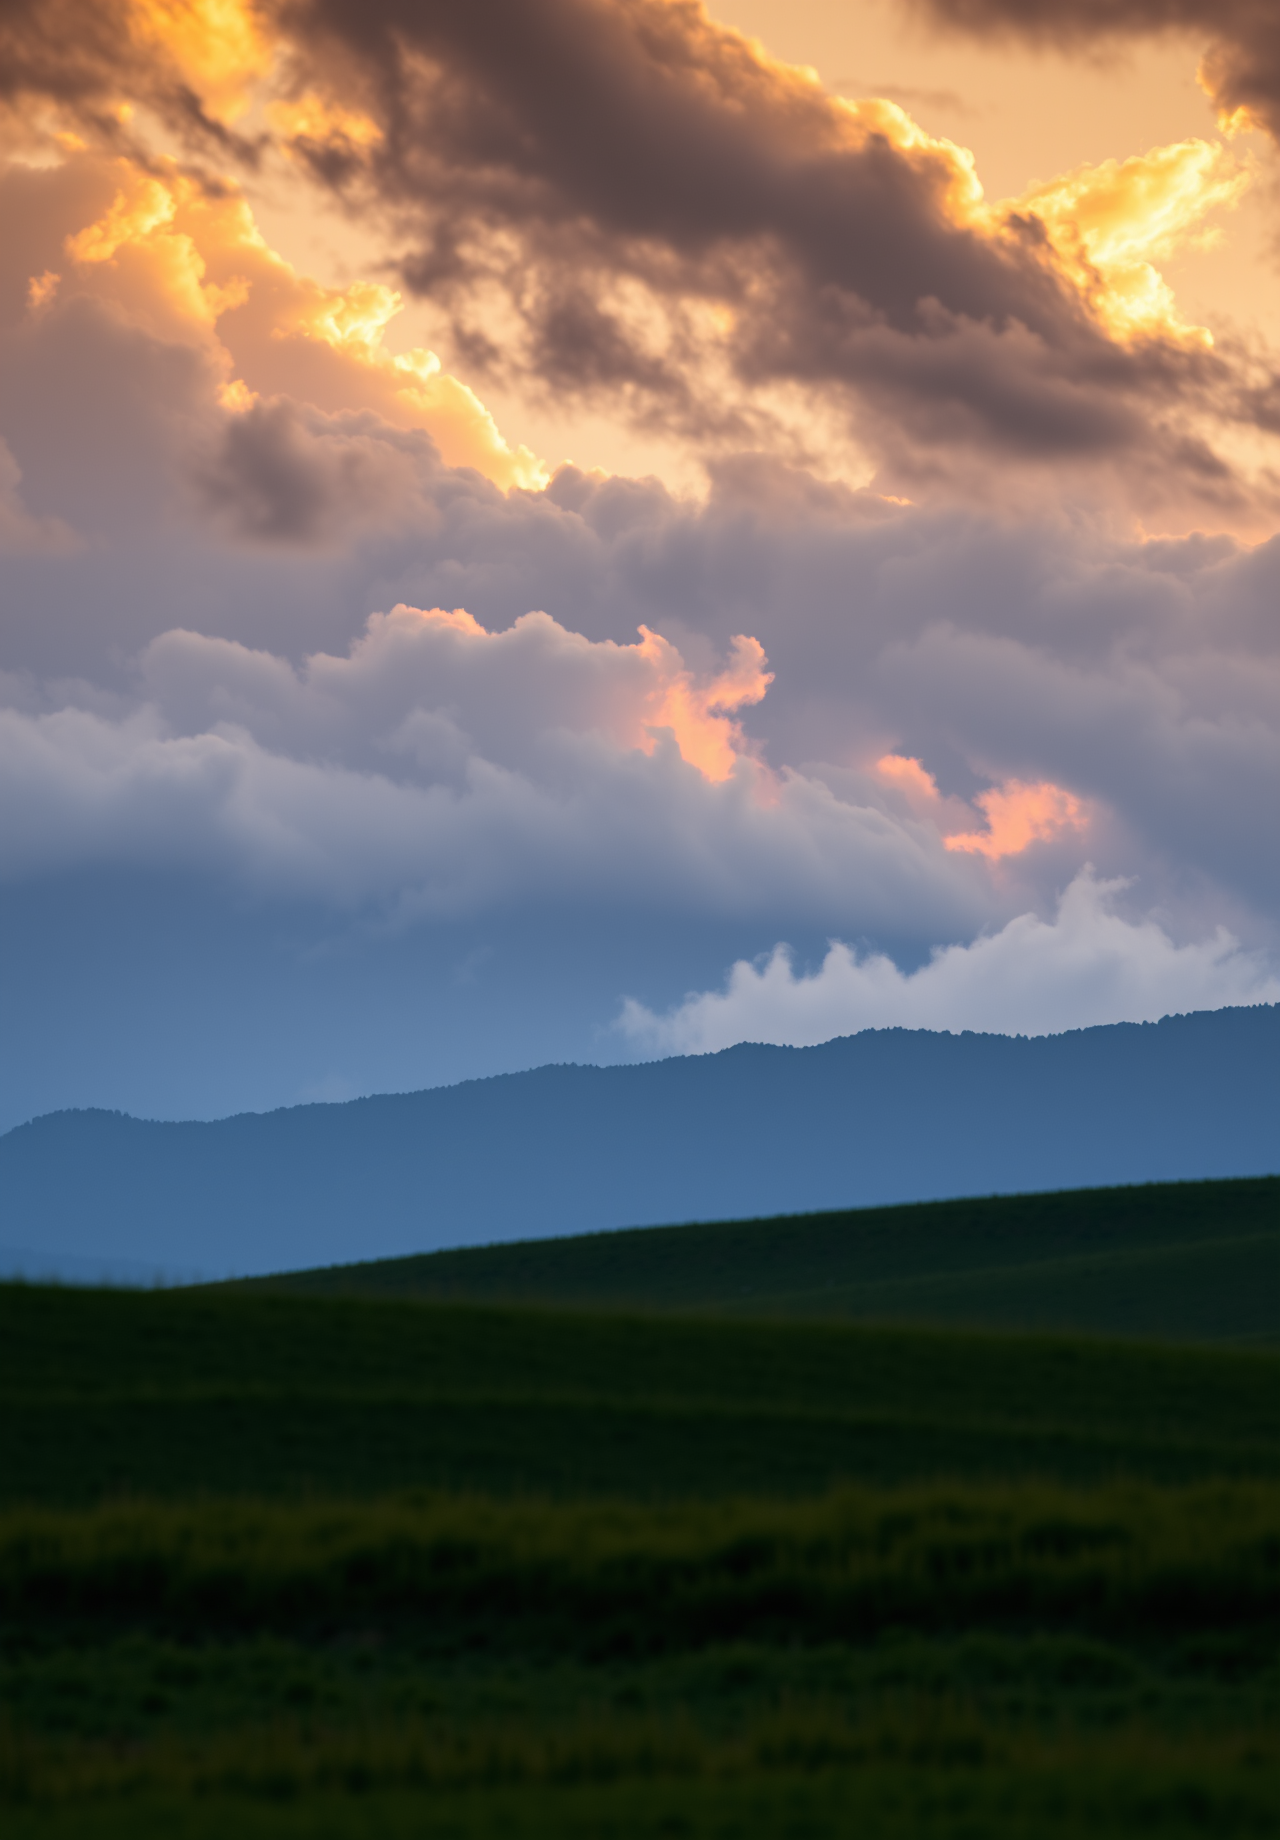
(1194, 1260)
(228, 1391)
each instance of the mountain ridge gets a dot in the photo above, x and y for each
(872, 1119)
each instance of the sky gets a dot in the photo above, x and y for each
(591, 529)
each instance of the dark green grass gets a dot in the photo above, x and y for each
(611, 1578)
(108, 1393)
(341, 1568)
(1068, 1794)
(1177, 1259)
(950, 1661)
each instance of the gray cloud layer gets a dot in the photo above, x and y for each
(1142, 677)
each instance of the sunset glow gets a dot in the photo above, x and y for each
(164, 239)
(1017, 815)
(1110, 225)
(517, 510)
(699, 715)
(220, 47)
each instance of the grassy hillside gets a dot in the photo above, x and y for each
(227, 1390)
(283, 1565)
(1178, 1259)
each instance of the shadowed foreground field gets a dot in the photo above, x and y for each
(239, 1392)
(321, 1566)
(930, 1658)
(1191, 1260)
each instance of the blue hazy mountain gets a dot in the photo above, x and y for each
(888, 1115)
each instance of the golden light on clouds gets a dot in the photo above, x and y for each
(154, 261)
(911, 779)
(144, 206)
(187, 260)
(1108, 225)
(219, 47)
(41, 289)
(313, 118)
(190, 252)
(963, 196)
(626, 694)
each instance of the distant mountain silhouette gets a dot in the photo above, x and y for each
(888, 1115)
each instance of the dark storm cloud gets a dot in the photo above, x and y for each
(621, 200)
(1241, 65)
(564, 153)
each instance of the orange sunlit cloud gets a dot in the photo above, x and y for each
(194, 264)
(906, 775)
(1107, 228)
(218, 46)
(41, 289)
(698, 714)
(1019, 814)
(1109, 225)
(313, 118)
(626, 693)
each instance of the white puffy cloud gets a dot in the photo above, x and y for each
(1033, 977)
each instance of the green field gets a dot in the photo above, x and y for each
(929, 1658)
(1190, 1260)
(275, 1562)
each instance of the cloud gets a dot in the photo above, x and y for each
(1133, 688)
(1109, 224)
(671, 217)
(186, 265)
(623, 202)
(1034, 977)
(229, 448)
(1015, 814)
(1240, 68)
(20, 532)
(440, 769)
(194, 63)
(282, 473)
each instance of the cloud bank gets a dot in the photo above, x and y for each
(661, 215)
(306, 659)
(440, 769)
(624, 203)
(1034, 977)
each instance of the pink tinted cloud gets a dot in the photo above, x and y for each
(1018, 813)
(699, 715)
